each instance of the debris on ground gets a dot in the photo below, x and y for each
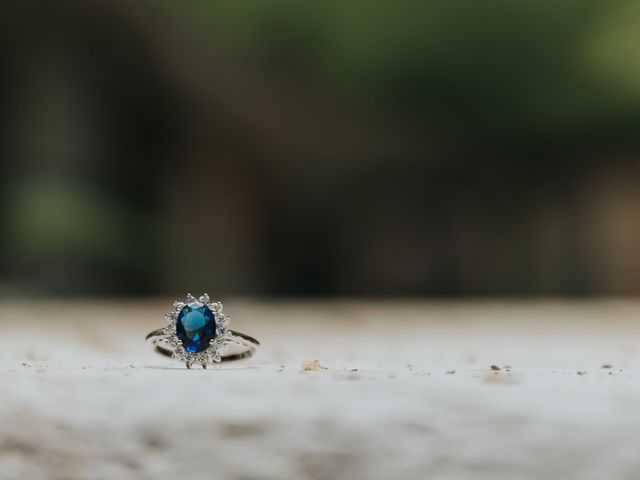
(312, 366)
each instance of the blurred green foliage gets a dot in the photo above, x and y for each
(543, 66)
(404, 147)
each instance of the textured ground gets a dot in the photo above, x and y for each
(408, 393)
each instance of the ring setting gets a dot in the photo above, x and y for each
(197, 333)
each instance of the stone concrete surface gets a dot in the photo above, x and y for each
(437, 390)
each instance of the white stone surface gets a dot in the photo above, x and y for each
(408, 393)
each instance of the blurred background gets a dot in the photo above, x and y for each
(437, 148)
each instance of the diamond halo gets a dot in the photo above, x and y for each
(212, 353)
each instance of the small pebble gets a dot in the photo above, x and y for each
(312, 366)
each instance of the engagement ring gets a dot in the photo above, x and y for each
(197, 334)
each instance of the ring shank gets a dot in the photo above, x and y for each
(250, 344)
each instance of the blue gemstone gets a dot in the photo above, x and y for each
(196, 327)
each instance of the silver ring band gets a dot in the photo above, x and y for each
(157, 339)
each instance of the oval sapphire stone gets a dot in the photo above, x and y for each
(196, 327)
